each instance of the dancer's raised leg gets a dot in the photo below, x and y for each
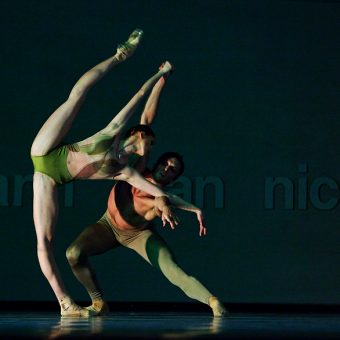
(59, 123)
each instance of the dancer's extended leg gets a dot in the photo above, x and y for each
(59, 123)
(154, 250)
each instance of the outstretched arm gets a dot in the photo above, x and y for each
(132, 177)
(151, 106)
(184, 205)
(103, 138)
(120, 120)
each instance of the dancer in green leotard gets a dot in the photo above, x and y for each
(101, 156)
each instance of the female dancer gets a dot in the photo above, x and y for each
(101, 156)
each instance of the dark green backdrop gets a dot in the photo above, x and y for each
(254, 101)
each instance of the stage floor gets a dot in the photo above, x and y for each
(48, 325)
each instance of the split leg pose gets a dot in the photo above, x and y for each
(103, 155)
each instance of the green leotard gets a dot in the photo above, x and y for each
(54, 164)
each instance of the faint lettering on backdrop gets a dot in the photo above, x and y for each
(17, 191)
(283, 192)
(280, 192)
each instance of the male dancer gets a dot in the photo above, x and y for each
(126, 222)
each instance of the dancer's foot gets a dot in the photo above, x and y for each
(217, 307)
(127, 48)
(98, 307)
(68, 308)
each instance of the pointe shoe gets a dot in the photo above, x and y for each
(127, 48)
(217, 307)
(70, 309)
(98, 307)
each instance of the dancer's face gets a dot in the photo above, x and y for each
(167, 171)
(145, 144)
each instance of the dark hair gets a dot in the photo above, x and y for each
(170, 154)
(141, 127)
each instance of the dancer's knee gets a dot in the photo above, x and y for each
(74, 255)
(44, 245)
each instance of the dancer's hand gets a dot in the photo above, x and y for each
(203, 229)
(168, 216)
(162, 204)
(166, 67)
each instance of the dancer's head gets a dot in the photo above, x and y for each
(168, 167)
(144, 138)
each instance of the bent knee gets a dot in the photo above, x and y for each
(43, 249)
(45, 242)
(74, 255)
